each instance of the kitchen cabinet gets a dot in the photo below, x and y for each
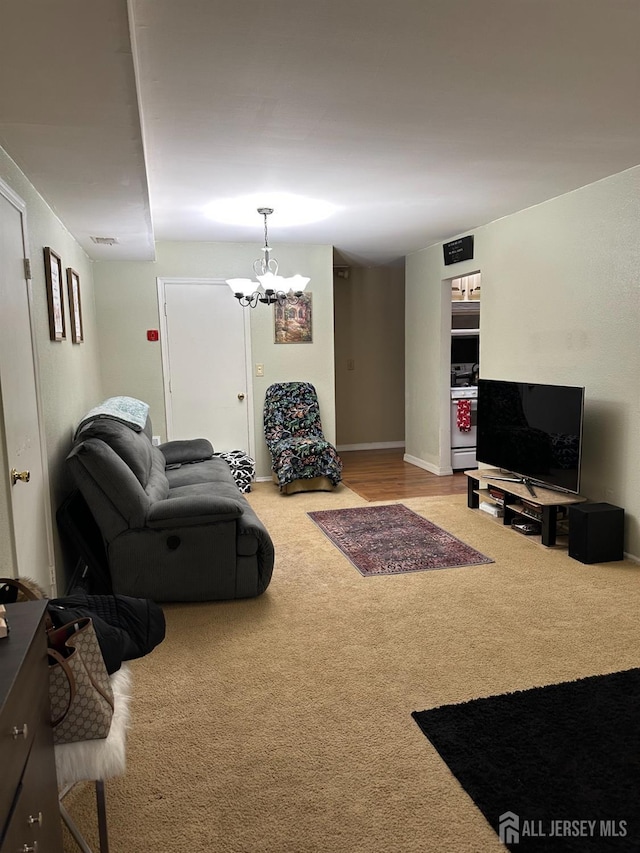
(466, 288)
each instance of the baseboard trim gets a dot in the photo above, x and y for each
(427, 466)
(374, 445)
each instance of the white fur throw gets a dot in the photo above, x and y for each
(99, 759)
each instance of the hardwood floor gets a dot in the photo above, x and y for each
(380, 475)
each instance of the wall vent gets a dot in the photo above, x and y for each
(105, 241)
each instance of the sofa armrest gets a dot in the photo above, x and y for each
(189, 511)
(188, 450)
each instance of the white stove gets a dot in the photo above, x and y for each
(465, 392)
(463, 442)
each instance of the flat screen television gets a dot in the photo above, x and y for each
(531, 431)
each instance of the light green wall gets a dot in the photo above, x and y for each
(369, 333)
(560, 304)
(127, 302)
(69, 373)
(427, 361)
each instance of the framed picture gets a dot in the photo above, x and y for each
(75, 306)
(55, 300)
(292, 322)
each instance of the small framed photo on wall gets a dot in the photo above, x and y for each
(292, 321)
(55, 300)
(75, 306)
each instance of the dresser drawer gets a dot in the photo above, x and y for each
(29, 814)
(35, 818)
(23, 713)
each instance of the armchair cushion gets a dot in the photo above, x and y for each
(208, 471)
(192, 509)
(189, 450)
(132, 446)
(293, 433)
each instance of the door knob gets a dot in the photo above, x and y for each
(25, 476)
(241, 396)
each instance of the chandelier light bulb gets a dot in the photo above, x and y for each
(277, 288)
(244, 286)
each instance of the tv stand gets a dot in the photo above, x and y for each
(526, 481)
(545, 502)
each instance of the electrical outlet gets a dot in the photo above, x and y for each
(351, 365)
(259, 369)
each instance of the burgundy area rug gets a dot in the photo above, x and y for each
(391, 540)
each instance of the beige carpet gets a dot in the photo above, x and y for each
(283, 723)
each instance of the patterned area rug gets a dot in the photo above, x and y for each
(391, 540)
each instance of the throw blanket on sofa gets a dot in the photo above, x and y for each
(126, 410)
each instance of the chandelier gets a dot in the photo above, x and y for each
(271, 288)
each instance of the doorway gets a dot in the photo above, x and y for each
(26, 482)
(461, 365)
(206, 345)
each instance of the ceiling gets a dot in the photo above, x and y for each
(419, 120)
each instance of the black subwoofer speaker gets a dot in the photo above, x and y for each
(596, 532)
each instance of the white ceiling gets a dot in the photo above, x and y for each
(419, 119)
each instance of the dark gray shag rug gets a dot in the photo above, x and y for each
(553, 769)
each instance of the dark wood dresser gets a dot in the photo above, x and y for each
(29, 814)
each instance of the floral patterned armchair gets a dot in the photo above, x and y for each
(301, 458)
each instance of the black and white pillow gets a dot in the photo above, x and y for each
(243, 468)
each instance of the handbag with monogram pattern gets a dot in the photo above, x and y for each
(79, 686)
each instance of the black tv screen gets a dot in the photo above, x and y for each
(531, 430)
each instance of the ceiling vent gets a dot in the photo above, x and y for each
(105, 241)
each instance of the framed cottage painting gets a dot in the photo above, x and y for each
(75, 306)
(55, 300)
(292, 322)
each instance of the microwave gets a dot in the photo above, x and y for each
(465, 349)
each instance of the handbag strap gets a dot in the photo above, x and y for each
(57, 636)
(62, 638)
(88, 628)
(18, 586)
(59, 659)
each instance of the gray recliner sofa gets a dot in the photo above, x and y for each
(174, 524)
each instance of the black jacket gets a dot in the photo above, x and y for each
(126, 627)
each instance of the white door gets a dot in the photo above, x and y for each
(26, 476)
(205, 346)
